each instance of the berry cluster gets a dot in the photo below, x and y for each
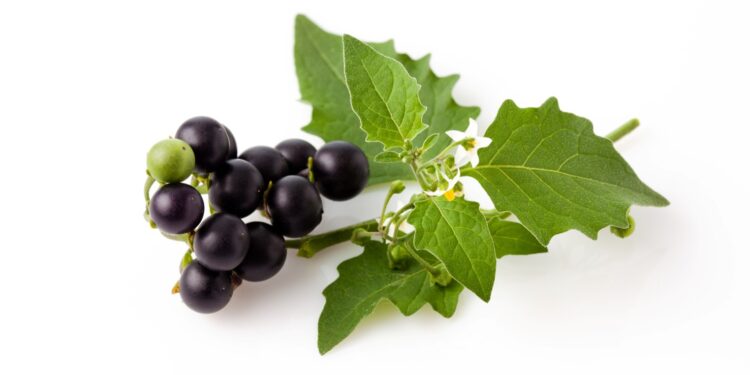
(285, 182)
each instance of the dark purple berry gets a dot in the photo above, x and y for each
(204, 290)
(296, 152)
(295, 206)
(266, 254)
(209, 141)
(341, 170)
(221, 242)
(232, 150)
(176, 208)
(236, 188)
(269, 162)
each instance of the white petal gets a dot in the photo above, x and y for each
(461, 156)
(456, 135)
(434, 193)
(482, 142)
(406, 227)
(474, 158)
(472, 130)
(452, 181)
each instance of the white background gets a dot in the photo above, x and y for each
(87, 87)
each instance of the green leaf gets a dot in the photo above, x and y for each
(365, 280)
(384, 96)
(430, 141)
(457, 234)
(443, 113)
(512, 238)
(319, 61)
(387, 157)
(549, 169)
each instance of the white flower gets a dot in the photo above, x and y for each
(467, 152)
(451, 183)
(404, 227)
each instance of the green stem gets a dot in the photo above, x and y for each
(493, 213)
(310, 175)
(385, 206)
(415, 170)
(310, 245)
(445, 151)
(147, 188)
(623, 130)
(396, 219)
(429, 267)
(184, 237)
(147, 196)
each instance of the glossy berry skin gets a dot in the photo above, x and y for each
(232, 150)
(266, 254)
(204, 290)
(236, 188)
(176, 208)
(170, 160)
(296, 152)
(209, 142)
(269, 162)
(295, 206)
(341, 170)
(221, 242)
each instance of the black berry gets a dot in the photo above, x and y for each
(221, 242)
(176, 208)
(236, 188)
(204, 290)
(296, 152)
(341, 170)
(295, 206)
(209, 142)
(266, 254)
(232, 150)
(269, 162)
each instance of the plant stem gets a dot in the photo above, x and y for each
(397, 219)
(187, 238)
(147, 196)
(445, 151)
(623, 130)
(493, 212)
(310, 245)
(147, 188)
(388, 197)
(415, 170)
(429, 267)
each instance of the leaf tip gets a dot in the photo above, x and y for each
(552, 102)
(323, 348)
(301, 21)
(348, 39)
(508, 104)
(299, 18)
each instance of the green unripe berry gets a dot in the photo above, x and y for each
(170, 160)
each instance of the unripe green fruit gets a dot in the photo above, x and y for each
(170, 160)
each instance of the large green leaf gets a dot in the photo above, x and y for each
(443, 113)
(365, 280)
(384, 96)
(319, 61)
(512, 238)
(549, 169)
(457, 234)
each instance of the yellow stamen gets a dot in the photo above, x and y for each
(470, 144)
(450, 195)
